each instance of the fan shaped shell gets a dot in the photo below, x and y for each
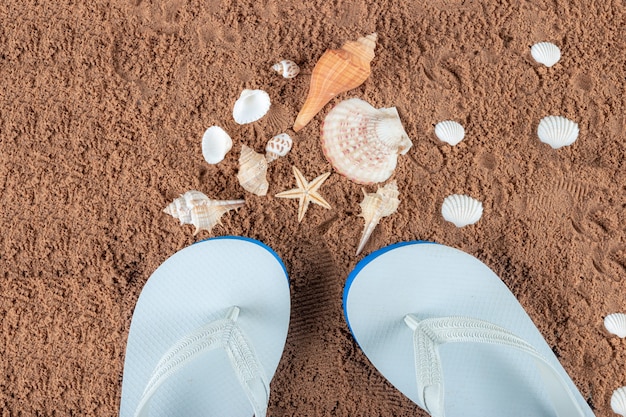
(546, 53)
(450, 132)
(287, 68)
(251, 106)
(363, 143)
(278, 146)
(618, 401)
(557, 131)
(215, 144)
(462, 210)
(616, 324)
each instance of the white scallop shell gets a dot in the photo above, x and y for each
(287, 68)
(618, 401)
(557, 131)
(215, 144)
(251, 106)
(546, 53)
(462, 210)
(616, 324)
(278, 146)
(450, 132)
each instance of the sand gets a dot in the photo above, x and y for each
(102, 110)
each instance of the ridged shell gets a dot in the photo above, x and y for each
(287, 68)
(251, 106)
(546, 53)
(215, 144)
(384, 202)
(618, 401)
(197, 209)
(363, 143)
(557, 131)
(278, 146)
(450, 132)
(337, 70)
(252, 173)
(616, 324)
(462, 210)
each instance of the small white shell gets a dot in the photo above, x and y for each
(450, 132)
(546, 53)
(462, 210)
(557, 131)
(251, 106)
(215, 144)
(616, 324)
(618, 401)
(278, 146)
(287, 68)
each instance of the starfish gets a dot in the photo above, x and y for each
(306, 192)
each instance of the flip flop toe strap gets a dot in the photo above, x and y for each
(225, 334)
(428, 334)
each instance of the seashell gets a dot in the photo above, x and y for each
(462, 210)
(375, 206)
(252, 173)
(287, 68)
(251, 106)
(278, 146)
(546, 53)
(450, 132)
(215, 144)
(337, 70)
(363, 143)
(618, 401)
(616, 324)
(195, 208)
(557, 131)
(278, 118)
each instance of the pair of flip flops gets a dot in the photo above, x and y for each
(210, 326)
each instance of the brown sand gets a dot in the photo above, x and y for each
(102, 107)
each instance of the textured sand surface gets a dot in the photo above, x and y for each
(102, 110)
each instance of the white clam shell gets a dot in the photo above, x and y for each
(618, 401)
(462, 210)
(546, 53)
(215, 144)
(278, 146)
(287, 68)
(450, 132)
(616, 324)
(557, 131)
(251, 106)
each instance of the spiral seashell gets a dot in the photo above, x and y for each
(278, 146)
(375, 206)
(546, 53)
(616, 324)
(363, 143)
(251, 106)
(557, 131)
(197, 209)
(252, 173)
(618, 401)
(215, 144)
(337, 70)
(287, 68)
(450, 132)
(462, 210)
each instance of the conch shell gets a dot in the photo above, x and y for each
(252, 173)
(337, 71)
(278, 146)
(375, 206)
(195, 208)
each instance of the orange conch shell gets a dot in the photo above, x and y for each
(337, 71)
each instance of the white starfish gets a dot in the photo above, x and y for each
(306, 192)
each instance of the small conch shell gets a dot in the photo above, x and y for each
(450, 132)
(252, 173)
(251, 106)
(546, 53)
(618, 401)
(337, 71)
(616, 324)
(462, 210)
(557, 131)
(197, 209)
(375, 206)
(287, 68)
(278, 146)
(363, 143)
(215, 144)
